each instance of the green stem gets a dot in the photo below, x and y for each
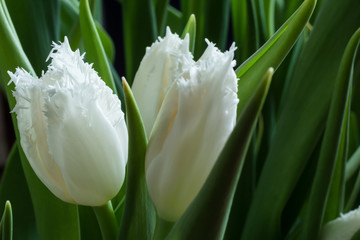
(162, 228)
(107, 221)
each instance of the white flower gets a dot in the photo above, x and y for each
(342, 228)
(197, 116)
(162, 63)
(72, 129)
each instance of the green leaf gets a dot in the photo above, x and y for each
(19, 196)
(269, 7)
(10, 46)
(88, 223)
(95, 52)
(174, 20)
(243, 29)
(301, 121)
(107, 42)
(353, 164)
(190, 29)
(138, 221)
(336, 122)
(37, 25)
(336, 198)
(354, 193)
(207, 215)
(272, 52)
(6, 224)
(138, 32)
(212, 21)
(161, 7)
(54, 218)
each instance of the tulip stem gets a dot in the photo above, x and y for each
(107, 221)
(162, 228)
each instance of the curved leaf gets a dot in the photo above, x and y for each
(272, 53)
(138, 32)
(301, 122)
(331, 141)
(19, 197)
(6, 224)
(138, 221)
(95, 52)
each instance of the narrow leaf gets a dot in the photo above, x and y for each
(23, 210)
(335, 201)
(243, 29)
(139, 32)
(161, 14)
(93, 45)
(190, 29)
(6, 224)
(331, 141)
(37, 25)
(272, 52)
(174, 20)
(138, 221)
(212, 21)
(353, 165)
(301, 121)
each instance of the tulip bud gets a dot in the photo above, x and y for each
(197, 116)
(72, 129)
(342, 228)
(163, 61)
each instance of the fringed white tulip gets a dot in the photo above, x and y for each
(72, 129)
(162, 63)
(342, 228)
(196, 117)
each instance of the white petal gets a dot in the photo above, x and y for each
(86, 148)
(32, 126)
(162, 63)
(342, 228)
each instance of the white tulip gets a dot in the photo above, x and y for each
(197, 116)
(342, 228)
(162, 63)
(72, 129)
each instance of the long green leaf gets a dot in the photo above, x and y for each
(174, 20)
(207, 215)
(212, 21)
(243, 29)
(272, 53)
(353, 164)
(190, 28)
(139, 31)
(336, 198)
(138, 221)
(19, 197)
(95, 52)
(161, 14)
(331, 141)
(301, 121)
(54, 218)
(37, 25)
(6, 224)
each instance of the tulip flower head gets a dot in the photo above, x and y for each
(72, 129)
(162, 63)
(342, 228)
(196, 117)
